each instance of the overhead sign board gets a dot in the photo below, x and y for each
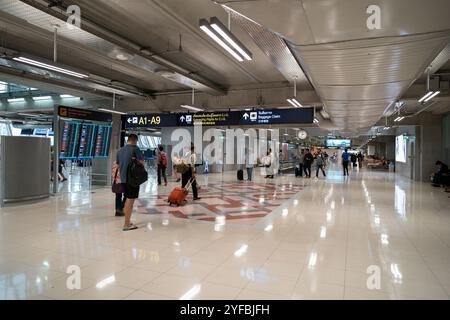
(225, 118)
(150, 120)
(208, 118)
(84, 114)
(278, 116)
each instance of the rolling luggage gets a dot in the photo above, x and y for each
(240, 174)
(297, 171)
(179, 194)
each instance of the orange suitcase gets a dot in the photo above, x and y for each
(179, 194)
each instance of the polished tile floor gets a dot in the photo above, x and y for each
(316, 244)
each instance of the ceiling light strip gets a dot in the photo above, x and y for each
(50, 67)
(230, 38)
(112, 111)
(432, 96)
(191, 107)
(204, 25)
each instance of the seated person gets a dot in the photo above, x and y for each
(441, 176)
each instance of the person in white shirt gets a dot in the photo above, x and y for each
(249, 164)
(191, 159)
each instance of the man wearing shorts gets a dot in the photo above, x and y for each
(124, 157)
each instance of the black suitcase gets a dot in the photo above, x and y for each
(240, 174)
(297, 172)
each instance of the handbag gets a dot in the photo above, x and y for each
(117, 187)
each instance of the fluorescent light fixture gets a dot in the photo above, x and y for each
(294, 102)
(325, 114)
(28, 114)
(50, 67)
(112, 111)
(204, 25)
(230, 38)
(67, 96)
(42, 98)
(16, 100)
(432, 96)
(398, 119)
(316, 121)
(191, 107)
(426, 96)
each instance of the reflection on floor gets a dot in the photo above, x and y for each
(318, 243)
(234, 202)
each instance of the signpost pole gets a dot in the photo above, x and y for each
(55, 149)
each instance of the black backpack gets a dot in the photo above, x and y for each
(136, 174)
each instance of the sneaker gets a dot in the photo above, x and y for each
(198, 198)
(130, 227)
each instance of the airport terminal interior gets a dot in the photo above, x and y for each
(316, 134)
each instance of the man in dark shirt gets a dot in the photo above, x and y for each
(124, 158)
(307, 163)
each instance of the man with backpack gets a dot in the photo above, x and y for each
(162, 165)
(130, 157)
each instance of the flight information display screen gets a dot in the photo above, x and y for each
(83, 140)
(69, 140)
(87, 133)
(102, 141)
(338, 143)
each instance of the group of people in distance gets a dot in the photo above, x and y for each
(306, 159)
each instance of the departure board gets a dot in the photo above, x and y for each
(86, 145)
(69, 141)
(102, 141)
(84, 140)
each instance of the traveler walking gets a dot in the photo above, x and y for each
(301, 163)
(162, 165)
(345, 160)
(308, 160)
(320, 164)
(118, 189)
(190, 159)
(125, 157)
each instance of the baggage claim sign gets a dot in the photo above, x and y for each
(217, 119)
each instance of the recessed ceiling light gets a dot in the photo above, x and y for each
(16, 100)
(42, 98)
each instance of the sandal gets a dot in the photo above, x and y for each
(130, 227)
